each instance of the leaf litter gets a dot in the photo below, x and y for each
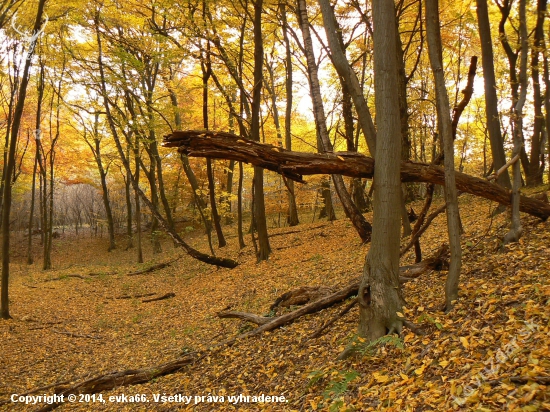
(489, 354)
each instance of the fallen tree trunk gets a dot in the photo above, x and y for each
(294, 165)
(116, 379)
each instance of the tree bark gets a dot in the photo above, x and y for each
(294, 165)
(491, 102)
(516, 230)
(379, 294)
(260, 223)
(358, 220)
(292, 215)
(10, 167)
(536, 161)
(446, 133)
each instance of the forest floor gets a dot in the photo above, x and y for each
(87, 317)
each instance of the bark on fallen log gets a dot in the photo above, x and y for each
(301, 296)
(116, 379)
(407, 273)
(294, 165)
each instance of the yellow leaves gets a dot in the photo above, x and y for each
(400, 314)
(240, 141)
(464, 342)
(341, 158)
(380, 378)
(420, 371)
(444, 363)
(275, 149)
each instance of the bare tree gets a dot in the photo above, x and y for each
(446, 134)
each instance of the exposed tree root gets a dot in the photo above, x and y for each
(407, 273)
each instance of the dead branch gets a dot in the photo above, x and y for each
(166, 296)
(301, 296)
(116, 379)
(75, 335)
(142, 295)
(320, 331)
(500, 171)
(153, 268)
(73, 275)
(294, 165)
(416, 236)
(407, 273)
(249, 317)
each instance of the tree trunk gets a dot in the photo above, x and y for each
(491, 102)
(206, 73)
(129, 214)
(259, 201)
(240, 208)
(358, 220)
(293, 165)
(516, 230)
(292, 214)
(534, 175)
(344, 70)
(446, 133)
(10, 167)
(379, 294)
(104, 190)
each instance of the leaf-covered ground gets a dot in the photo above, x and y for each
(87, 317)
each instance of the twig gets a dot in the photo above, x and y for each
(75, 335)
(319, 331)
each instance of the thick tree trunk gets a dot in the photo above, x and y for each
(379, 294)
(294, 165)
(344, 70)
(534, 175)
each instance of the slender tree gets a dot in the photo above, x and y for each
(491, 102)
(445, 131)
(10, 165)
(260, 222)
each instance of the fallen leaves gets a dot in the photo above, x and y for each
(481, 355)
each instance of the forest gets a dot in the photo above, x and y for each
(261, 205)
